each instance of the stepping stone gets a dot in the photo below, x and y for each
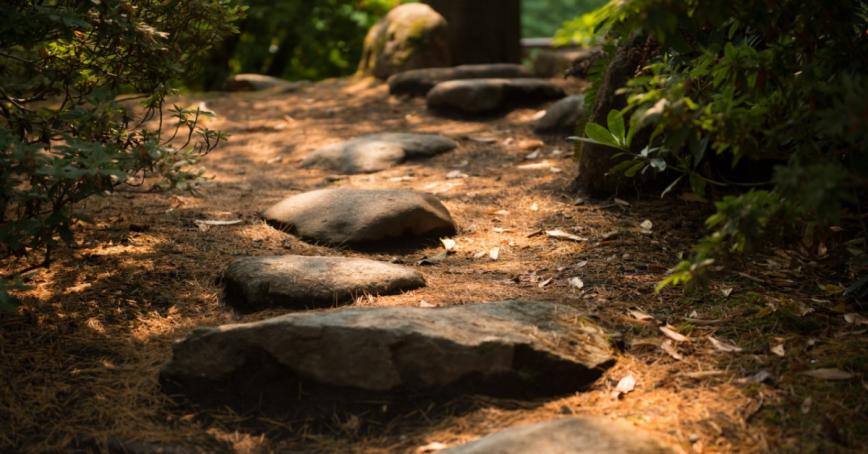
(376, 152)
(362, 217)
(257, 82)
(478, 96)
(562, 116)
(299, 282)
(508, 348)
(419, 82)
(580, 435)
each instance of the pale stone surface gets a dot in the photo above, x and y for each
(376, 152)
(358, 217)
(258, 82)
(411, 36)
(579, 435)
(302, 282)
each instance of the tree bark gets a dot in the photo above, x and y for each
(482, 31)
(596, 160)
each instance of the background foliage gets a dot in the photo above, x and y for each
(65, 134)
(737, 87)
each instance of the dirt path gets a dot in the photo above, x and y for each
(80, 362)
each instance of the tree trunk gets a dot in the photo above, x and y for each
(596, 160)
(482, 31)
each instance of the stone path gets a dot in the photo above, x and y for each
(376, 152)
(362, 217)
(515, 349)
(481, 96)
(511, 348)
(580, 435)
(300, 282)
(419, 82)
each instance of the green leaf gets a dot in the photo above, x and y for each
(615, 121)
(600, 135)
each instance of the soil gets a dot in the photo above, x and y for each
(80, 357)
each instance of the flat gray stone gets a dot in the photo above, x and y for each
(509, 348)
(419, 82)
(258, 82)
(562, 116)
(301, 282)
(376, 152)
(362, 217)
(579, 435)
(479, 96)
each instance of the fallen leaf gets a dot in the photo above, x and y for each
(639, 315)
(646, 226)
(448, 244)
(205, 224)
(533, 155)
(726, 291)
(579, 201)
(534, 207)
(779, 350)
(758, 377)
(611, 234)
(625, 385)
(434, 259)
(622, 202)
(479, 139)
(480, 254)
(670, 332)
(539, 114)
(829, 374)
(456, 174)
(577, 283)
(561, 235)
(494, 253)
(426, 304)
(855, 319)
(582, 264)
(724, 346)
(668, 347)
(431, 447)
(545, 282)
(831, 289)
(806, 405)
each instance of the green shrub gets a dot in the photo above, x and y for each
(65, 134)
(737, 83)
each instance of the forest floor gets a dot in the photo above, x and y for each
(80, 358)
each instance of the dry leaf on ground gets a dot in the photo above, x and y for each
(670, 332)
(724, 346)
(668, 347)
(829, 374)
(561, 235)
(625, 385)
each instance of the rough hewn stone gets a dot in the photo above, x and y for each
(579, 435)
(376, 152)
(419, 82)
(360, 217)
(510, 348)
(302, 282)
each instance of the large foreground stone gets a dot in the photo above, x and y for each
(580, 435)
(478, 96)
(562, 116)
(359, 217)
(376, 152)
(419, 82)
(300, 282)
(410, 36)
(510, 348)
